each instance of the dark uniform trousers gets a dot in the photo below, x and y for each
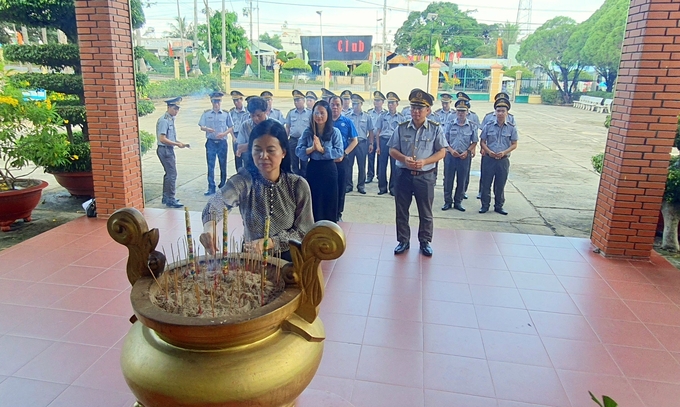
(359, 154)
(298, 166)
(495, 171)
(238, 161)
(421, 187)
(458, 170)
(342, 172)
(216, 149)
(167, 156)
(383, 158)
(371, 161)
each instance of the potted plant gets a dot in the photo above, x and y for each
(29, 134)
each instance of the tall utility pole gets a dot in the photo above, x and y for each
(181, 35)
(224, 33)
(207, 18)
(194, 66)
(323, 72)
(383, 57)
(259, 51)
(524, 18)
(250, 14)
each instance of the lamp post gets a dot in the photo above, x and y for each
(430, 17)
(321, 42)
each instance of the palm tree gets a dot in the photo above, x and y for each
(180, 29)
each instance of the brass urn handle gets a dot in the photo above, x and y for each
(128, 227)
(325, 241)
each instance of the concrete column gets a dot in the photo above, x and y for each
(518, 84)
(225, 71)
(326, 77)
(640, 138)
(434, 80)
(496, 80)
(105, 36)
(176, 63)
(277, 72)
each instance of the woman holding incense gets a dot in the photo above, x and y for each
(264, 188)
(321, 144)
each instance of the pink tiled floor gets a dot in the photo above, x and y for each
(491, 319)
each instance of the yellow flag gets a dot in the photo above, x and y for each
(437, 51)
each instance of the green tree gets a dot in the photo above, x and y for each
(180, 28)
(274, 40)
(598, 40)
(548, 47)
(365, 68)
(236, 36)
(336, 67)
(455, 30)
(509, 33)
(512, 72)
(60, 14)
(296, 66)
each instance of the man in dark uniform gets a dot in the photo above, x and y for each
(488, 118)
(499, 139)
(417, 145)
(217, 124)
(349, 142)
(387, 124)
(272, 113)
(346, 97)
(364, 125)
(326, 95)
(310, 99)
(297, 121)
(238, 114)
(445, 114)
(461, 136)
(166, 138)
(375, 113)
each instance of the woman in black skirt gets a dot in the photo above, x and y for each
(321, 143)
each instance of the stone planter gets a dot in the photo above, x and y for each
(19, 203)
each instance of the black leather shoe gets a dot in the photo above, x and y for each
(465, 196)
(459, 207)
(361, 191)
(164, 201)
(174, 204)
(348, 190)
(484, 210)
(402, 247)
(368, 181)
(382, 192)
(479, 196)
(426, 249)
(501, 211)
(446, 207)
(392, 193)
(209, 192)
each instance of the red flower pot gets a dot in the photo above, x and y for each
(76, 183)
(19, 203)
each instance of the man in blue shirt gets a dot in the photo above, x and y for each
(349, 141)
(217, 124)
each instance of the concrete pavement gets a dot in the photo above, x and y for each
(551, 190)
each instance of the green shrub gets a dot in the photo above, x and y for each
(423, 66)
(73, 114)
(57, 82)
(162, 67)
(141, 81)
(145, 107)
(79, 152)
(147, 140)
(672, 192)
(551, 97)
(55, 56)
(608, 121)
(365, 68)
(184, 87)
(336, 67)
(512, 72)
(598, 162)
(297, 65)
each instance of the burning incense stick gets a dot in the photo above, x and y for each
(187, 219)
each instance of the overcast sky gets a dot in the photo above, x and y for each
(358, 16)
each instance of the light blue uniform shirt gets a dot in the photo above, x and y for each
(332, 148)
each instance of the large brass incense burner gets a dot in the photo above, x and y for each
(264, 358)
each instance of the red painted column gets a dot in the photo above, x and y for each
(105, 36)
(644, 120)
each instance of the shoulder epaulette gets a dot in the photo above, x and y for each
(404, 122)
(433, 122)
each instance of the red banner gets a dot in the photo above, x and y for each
(249, 58)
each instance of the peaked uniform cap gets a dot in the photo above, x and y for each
(392, 97)
(235, 95)
(419, 97)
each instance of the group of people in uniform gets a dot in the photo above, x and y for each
(327, 136)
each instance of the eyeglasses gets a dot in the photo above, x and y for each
(417, 108)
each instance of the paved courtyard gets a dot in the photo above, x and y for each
(551, 190)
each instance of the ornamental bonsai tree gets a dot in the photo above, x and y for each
(296, 66)
(29, 133)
